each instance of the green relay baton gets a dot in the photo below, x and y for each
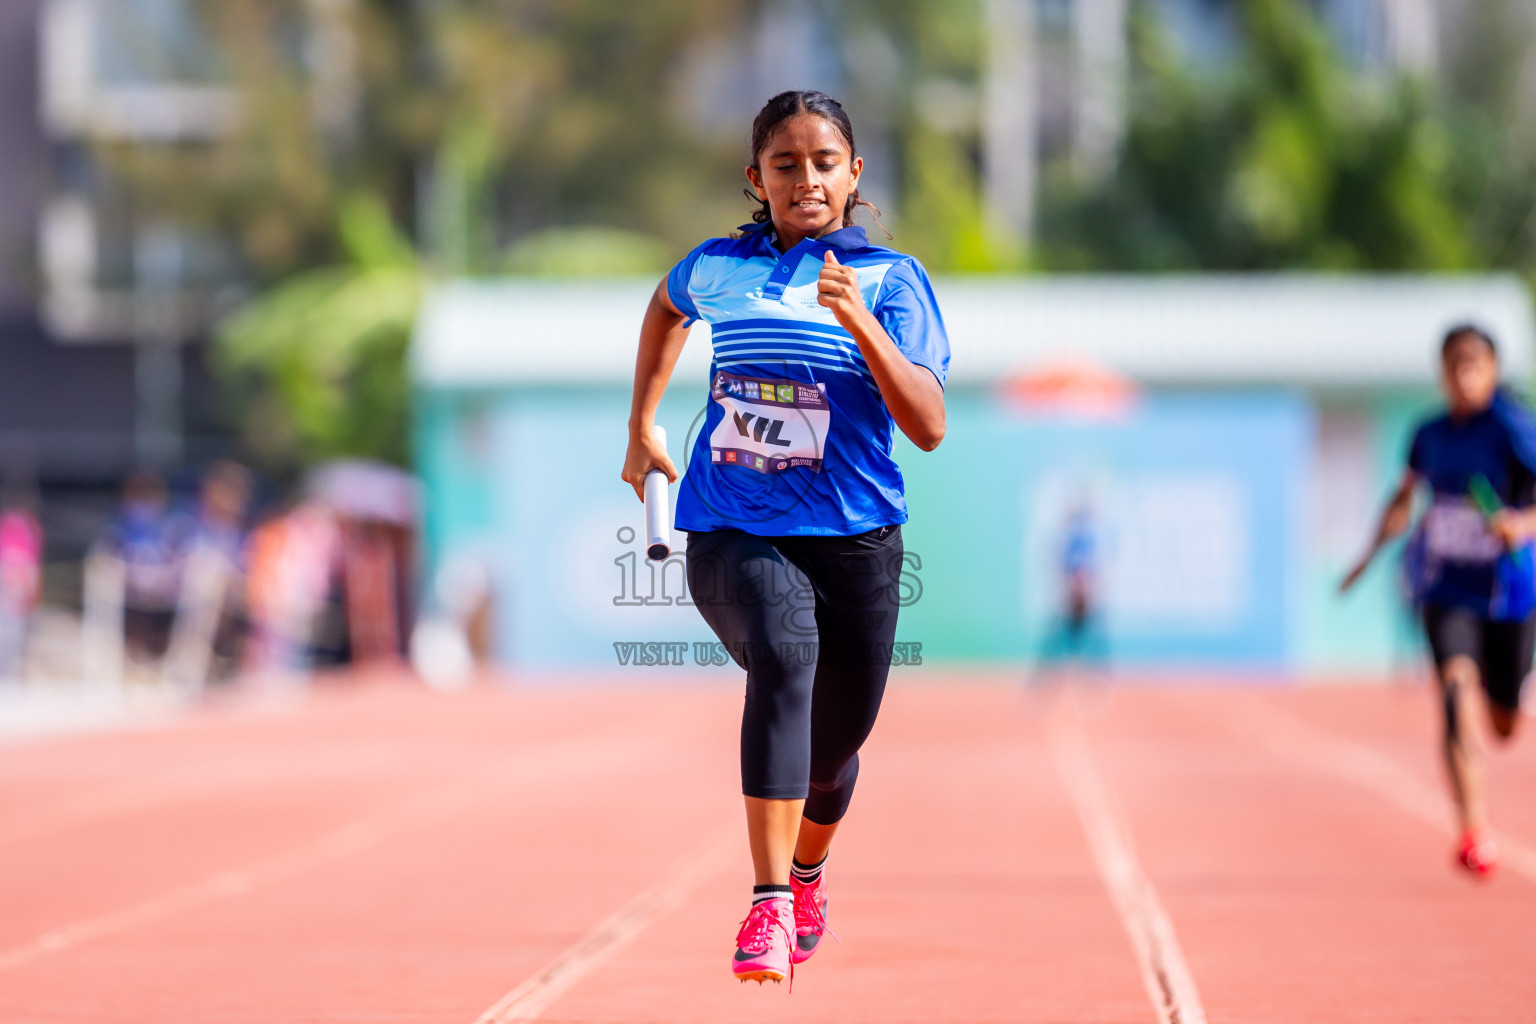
(1484, 496)
(1515, 570)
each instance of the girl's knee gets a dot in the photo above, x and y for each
(1459, 671)
(832, 774)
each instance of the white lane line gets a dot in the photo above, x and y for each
(1164, 971)
(344, 841)
(530, 999)
(125, 798)
(1372, 770)
(155, 792)
(349, 839)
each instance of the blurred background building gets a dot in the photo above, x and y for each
(220, 220)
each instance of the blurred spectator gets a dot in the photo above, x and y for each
(221, 508)
(452, 636)
(21, 556)
(167, 583)
(292, 559)
(371, 565)
(149, 542)
(376, 506)
(206, 625)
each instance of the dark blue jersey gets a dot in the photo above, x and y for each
(1454, 557)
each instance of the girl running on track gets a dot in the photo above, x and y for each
(792, 502)
(1466, 566)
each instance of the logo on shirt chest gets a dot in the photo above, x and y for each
(804, 297)
(769, 425)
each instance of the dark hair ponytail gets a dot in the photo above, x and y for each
(790, 104)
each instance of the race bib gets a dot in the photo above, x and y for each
(1455, 531)
(769, 425)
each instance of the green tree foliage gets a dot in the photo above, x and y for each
(381, 144)
(476, 121)
(319, 359)
(455, 137)
(1285, 160)
(491, 136)
(933, 111)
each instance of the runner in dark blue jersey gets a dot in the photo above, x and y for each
(824, 346)
(1469, 563)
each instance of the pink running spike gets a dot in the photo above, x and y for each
(810, 917)
(1478, 854)
(763, 945)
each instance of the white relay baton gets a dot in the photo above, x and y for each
(658, 518)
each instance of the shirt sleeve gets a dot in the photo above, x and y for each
(1416, 451)
(1520, 428)
(1520, 424)
(678, 280)
(910, 314)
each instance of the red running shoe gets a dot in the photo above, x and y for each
(1478, 853)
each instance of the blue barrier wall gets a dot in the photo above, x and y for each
(1197, 509)
(1198, 504)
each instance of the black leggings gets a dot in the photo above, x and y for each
(1503, 651)
(812, 620)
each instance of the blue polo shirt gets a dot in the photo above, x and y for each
(795, 438)
(1454, 560)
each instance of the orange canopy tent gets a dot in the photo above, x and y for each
(1073, 387)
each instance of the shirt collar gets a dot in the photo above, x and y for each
(843, 238)
(852, 237)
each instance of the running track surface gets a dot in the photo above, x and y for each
(380, 853)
